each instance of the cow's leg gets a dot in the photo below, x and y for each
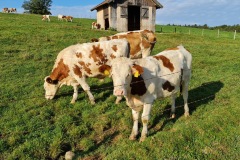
(145, 118)
(185, 98)
(86, 88)
(134, 133)
(75, 94)
(173, 106)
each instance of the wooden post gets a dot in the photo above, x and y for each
(202, 31)
(175, 30)
(218, 33)
(234, 37)
(189, 32)
(161, 30)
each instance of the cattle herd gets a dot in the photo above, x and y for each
(137, 76)
(9, 10)
(60, 18)
(125, 57)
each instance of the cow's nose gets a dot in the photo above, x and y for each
(118, 92)
(48, 97)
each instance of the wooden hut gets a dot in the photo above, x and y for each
(127, 15)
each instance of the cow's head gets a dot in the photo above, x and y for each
(149, 38)
(123, 71)
(51, 87)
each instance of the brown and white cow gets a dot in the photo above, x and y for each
(11, 10)
(46, 17)
(141, 42)
(96, 25)
(68, 18)
(5, 10)
(142, 81)
(77, 62)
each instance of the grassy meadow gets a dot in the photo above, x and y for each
(32, 128)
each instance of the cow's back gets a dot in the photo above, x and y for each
(88, 57)
(163, 73)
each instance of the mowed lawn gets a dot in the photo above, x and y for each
(34, 128)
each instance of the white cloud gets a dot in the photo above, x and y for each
(211, 12)
(76, 11)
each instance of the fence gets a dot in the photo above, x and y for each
(196, 31)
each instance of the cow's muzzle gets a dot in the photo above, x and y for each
(119, 92)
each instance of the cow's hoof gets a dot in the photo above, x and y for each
(142, 139)
(172, 116)
(93, 102)
(132, 137)
(73, 101)
(186, 114)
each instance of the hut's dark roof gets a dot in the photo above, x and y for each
(158, 5)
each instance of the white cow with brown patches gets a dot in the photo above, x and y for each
(144, 80)
(68, 18)
(141, 42)
(11, 10)
(96, 25)
(46, 17)
(5, 10)
(77, 62)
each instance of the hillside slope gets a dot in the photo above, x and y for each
(33, 128)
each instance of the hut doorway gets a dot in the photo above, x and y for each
(133, 18)
(106, 24)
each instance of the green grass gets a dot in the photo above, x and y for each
(33, 128)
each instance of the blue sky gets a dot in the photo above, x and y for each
(211, 12)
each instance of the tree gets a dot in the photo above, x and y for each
(37, 6)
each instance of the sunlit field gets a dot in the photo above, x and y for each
(33, 128)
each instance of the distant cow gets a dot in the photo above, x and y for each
(5, 10)
(68, 18)
(11, 10)
(141, 42)
(77, 62)
(46, 17)
(142, 81)
(96, 25)
(60, 17)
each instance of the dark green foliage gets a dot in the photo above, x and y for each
(37, 6)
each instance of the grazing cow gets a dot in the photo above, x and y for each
(141, 42)
(68, 18)
(5, 10)
(12, 10)
(77, 62)
(96, 25)
(141, 81)
(46, 17)
(60, 17)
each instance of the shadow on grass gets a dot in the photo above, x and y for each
(95, 89)
(196, 97)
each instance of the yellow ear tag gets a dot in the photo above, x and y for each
(136, 74)
(106, 72)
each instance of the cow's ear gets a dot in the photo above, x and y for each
(50, 81)
(105, 69)
(137, 70)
